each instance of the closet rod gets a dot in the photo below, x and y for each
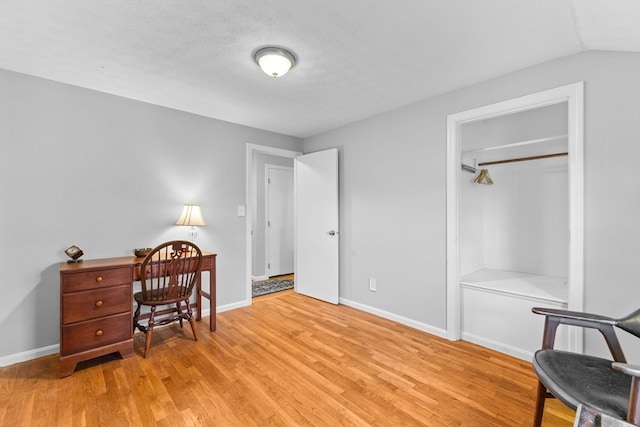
(522, 159)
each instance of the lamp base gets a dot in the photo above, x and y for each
(73, 261)
(193, 234)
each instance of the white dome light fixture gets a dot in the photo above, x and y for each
(274, 61)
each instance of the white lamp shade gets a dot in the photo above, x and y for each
(191, 215)
(275, 62)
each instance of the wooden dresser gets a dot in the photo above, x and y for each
(95, 312)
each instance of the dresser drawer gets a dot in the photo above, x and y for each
(86, 305)
(95, 279)
(95, 333)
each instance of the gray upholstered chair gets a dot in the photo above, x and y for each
(610, 387)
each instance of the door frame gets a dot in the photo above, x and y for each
(573, 95)
(250, 192)
(267, 205)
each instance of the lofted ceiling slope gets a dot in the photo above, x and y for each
(356, 58)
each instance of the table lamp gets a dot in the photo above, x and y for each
(191, 216)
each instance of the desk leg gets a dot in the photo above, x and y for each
(212, 300)
(199, 298)
(211, 295)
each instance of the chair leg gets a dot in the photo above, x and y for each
(135, 318)
(149, 331)
(192, 322)
(541, 395)
(586, 417)
(147, 341)
(179, 312)
(633, 414)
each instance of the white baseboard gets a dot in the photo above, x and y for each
(29, 355)
(400, 319)
(259, 278)
(232, 306)
(498, 346)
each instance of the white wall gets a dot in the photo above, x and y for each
(108, 174)
(526, 216)
(393, 172)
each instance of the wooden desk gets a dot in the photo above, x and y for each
(96, 316)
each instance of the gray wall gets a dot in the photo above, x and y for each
(111, 174)
(108, 174)
(392, 185)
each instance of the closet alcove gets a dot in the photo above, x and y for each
(514, 229)
(515, 219)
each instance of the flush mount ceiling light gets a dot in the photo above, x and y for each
(274, 61)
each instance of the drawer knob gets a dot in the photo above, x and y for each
(99, 333)
(99, 303)
(99, 279)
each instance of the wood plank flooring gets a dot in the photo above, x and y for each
(287, 360)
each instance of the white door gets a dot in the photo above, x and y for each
(279, 220)
(317, 243)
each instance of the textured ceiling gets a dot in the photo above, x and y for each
(356, 58)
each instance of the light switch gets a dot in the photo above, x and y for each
(241, 210)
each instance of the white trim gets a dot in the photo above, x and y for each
(29, 355)
(498, 346)
(228, 307)
(576, 210)
(399, 319)
(251, 150)
(573, 94)
(259, 278)
(453, 214)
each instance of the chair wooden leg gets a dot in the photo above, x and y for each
(179, 313)
(192, 322)
(149, 331)
(541, 395)
(136, 315)
(147, 341)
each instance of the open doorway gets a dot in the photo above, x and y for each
(317, 231)
(273, 222)
(274, 230)
(268, 254)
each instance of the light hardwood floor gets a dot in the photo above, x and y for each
(287, 360)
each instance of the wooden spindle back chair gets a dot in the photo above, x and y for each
(168, 275)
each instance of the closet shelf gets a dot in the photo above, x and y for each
(470, 153)
(519, 284)
(533, 149)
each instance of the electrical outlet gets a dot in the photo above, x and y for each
(372, 284)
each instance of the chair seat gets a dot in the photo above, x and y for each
(581, 379)
(156, 300)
